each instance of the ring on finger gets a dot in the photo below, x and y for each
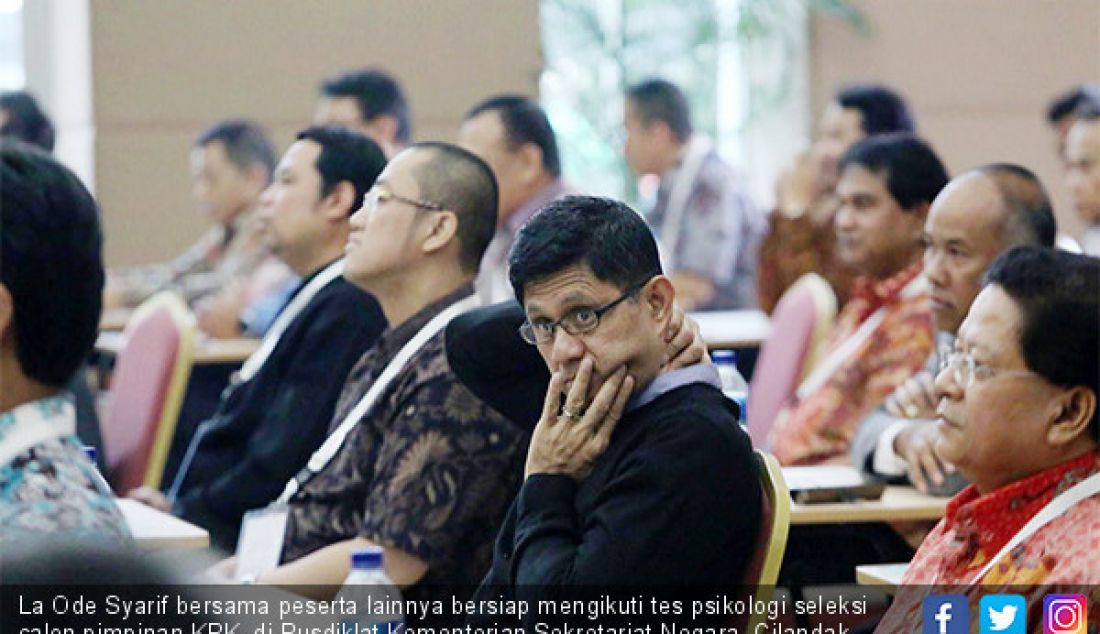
(911, 411)
(568, 413)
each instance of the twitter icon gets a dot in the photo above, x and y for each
(1003, 614)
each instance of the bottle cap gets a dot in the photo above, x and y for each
(370, 557)
(724, 356)
(90, 451)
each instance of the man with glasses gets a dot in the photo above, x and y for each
(976, 217)
(1018, 416)
(633, 476)
(278, 407)
(414, 463)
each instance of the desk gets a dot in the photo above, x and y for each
(208, 351)
(886, 576)
(155, 530)
(898, 503)
(733, 328)
(114, 319)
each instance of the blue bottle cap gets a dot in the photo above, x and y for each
(90, 451)
(724, 356)
(370, 557)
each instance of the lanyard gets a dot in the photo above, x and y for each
(332, 444)
(256, 360)
(1054, 509)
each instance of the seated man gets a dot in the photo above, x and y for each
(708, 227)
(800, 238)
(976, 217)
(513, 135)
(51, 285)
(1083, 173)
(884, 333)
(635, 477)
(277, 411)
(1018, 416)
(229, 267)
(370, 101)
(416, 463)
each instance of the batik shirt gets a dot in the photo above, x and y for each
(1062, 556)
(47, 485)
(430, 470)
(820, 426)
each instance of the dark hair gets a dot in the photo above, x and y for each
(52, 262)
(377, 94)
(660, 100)
(1089, 111)
(246, 144)
(461, 182)
(608, 237)
(882, 109)
(524, 122)
(913, 172)
(1029, 219)
(1069, 103)
(26, 121)
(1059, 296)
(346, 155)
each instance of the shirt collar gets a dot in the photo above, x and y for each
(874, 293)
(30, 423)
(665, 383)
(526, 211)
(989, 521)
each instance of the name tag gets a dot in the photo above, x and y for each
(261, 541)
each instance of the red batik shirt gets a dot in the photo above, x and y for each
(1062, 556)
(821, 425)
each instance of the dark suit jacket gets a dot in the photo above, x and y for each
(266, 428)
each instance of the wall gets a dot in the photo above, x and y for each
(979, 73)
(162, 71)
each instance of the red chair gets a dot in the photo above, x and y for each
(147, 387)
(801, 322)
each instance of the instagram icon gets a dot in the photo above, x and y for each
(1064, 614)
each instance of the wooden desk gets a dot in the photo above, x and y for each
(208, 351)
(884, 576)
(898, 503)
(114, 319)
(733, 328)
(155, 530)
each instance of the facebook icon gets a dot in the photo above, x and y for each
(946, 614)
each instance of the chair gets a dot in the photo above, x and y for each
(147, 387)
(771, 541)
(801, 322)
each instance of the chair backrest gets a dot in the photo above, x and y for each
(771, 541)
(801, 322)
(147, 388)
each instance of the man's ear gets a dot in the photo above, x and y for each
(657, 297)
(7, 312)
(341, 202)
(257, 177)
(1073, 412)
(383, 127)
(442, 230)
(530, 161)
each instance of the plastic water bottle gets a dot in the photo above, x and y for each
(97, 477)
(379, 608)
(733, 384)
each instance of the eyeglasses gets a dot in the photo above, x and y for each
(378, 195)
(966, 370)
(578, 322)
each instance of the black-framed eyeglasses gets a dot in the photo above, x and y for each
(378, 195)
(577, 322)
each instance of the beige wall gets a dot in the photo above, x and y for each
(164, 70)
(979, 73)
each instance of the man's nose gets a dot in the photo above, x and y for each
(566, 349)
(946, 386)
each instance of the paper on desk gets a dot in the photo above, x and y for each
(822, 477)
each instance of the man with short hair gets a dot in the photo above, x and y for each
(1063, 111)
(708, 228)
(1018, 416)
(513, 135)
(1083, 173)
(231, 164)
(884, 333)
(633, 476)
(371, 101)
(415, 463)
(276, 411)
(975, 218)
(51, 285)
(801, 238)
